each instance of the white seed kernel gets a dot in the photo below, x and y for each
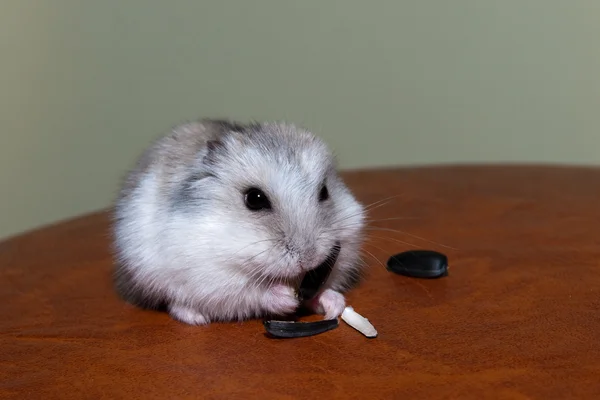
(358, 322)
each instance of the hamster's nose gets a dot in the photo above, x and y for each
(309, 260)
(319, 261)
(305, 253)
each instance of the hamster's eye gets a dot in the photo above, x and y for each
(256, 200)
(324, 193)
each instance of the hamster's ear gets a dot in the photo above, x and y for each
(214, 148)
(213, 145)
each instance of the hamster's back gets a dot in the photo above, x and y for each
(141, 209)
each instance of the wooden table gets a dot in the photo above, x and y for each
(517, 318)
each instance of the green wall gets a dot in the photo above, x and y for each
(87, 84)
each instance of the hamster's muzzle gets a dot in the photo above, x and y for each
(314, 279)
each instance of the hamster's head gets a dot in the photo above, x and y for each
(271, 195)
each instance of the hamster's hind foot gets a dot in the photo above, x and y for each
(187, 315)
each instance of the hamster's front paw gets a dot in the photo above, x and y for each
(280, 299)
(330, 303)
(187, 315)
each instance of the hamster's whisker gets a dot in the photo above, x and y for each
(250, 245)
(367, 243)
(256, 276)
(341, 228)
(364, 263)
(378, 228)
(247, 260)
(369, 207)
(257, 267)
(338, 226)
(264, 277)
(255, 272)
(371, 236)
(345, 218)
(359, 274)
(382, 202)
(271, 281)
(260, 282)
(391, 219)
(367, 223)
(371, 254)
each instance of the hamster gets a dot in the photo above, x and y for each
(219, 221)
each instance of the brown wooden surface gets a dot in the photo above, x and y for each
(518, 317)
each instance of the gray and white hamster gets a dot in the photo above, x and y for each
(218, 221)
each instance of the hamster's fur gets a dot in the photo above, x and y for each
(185, 238)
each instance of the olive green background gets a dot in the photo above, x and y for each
(87, 84)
